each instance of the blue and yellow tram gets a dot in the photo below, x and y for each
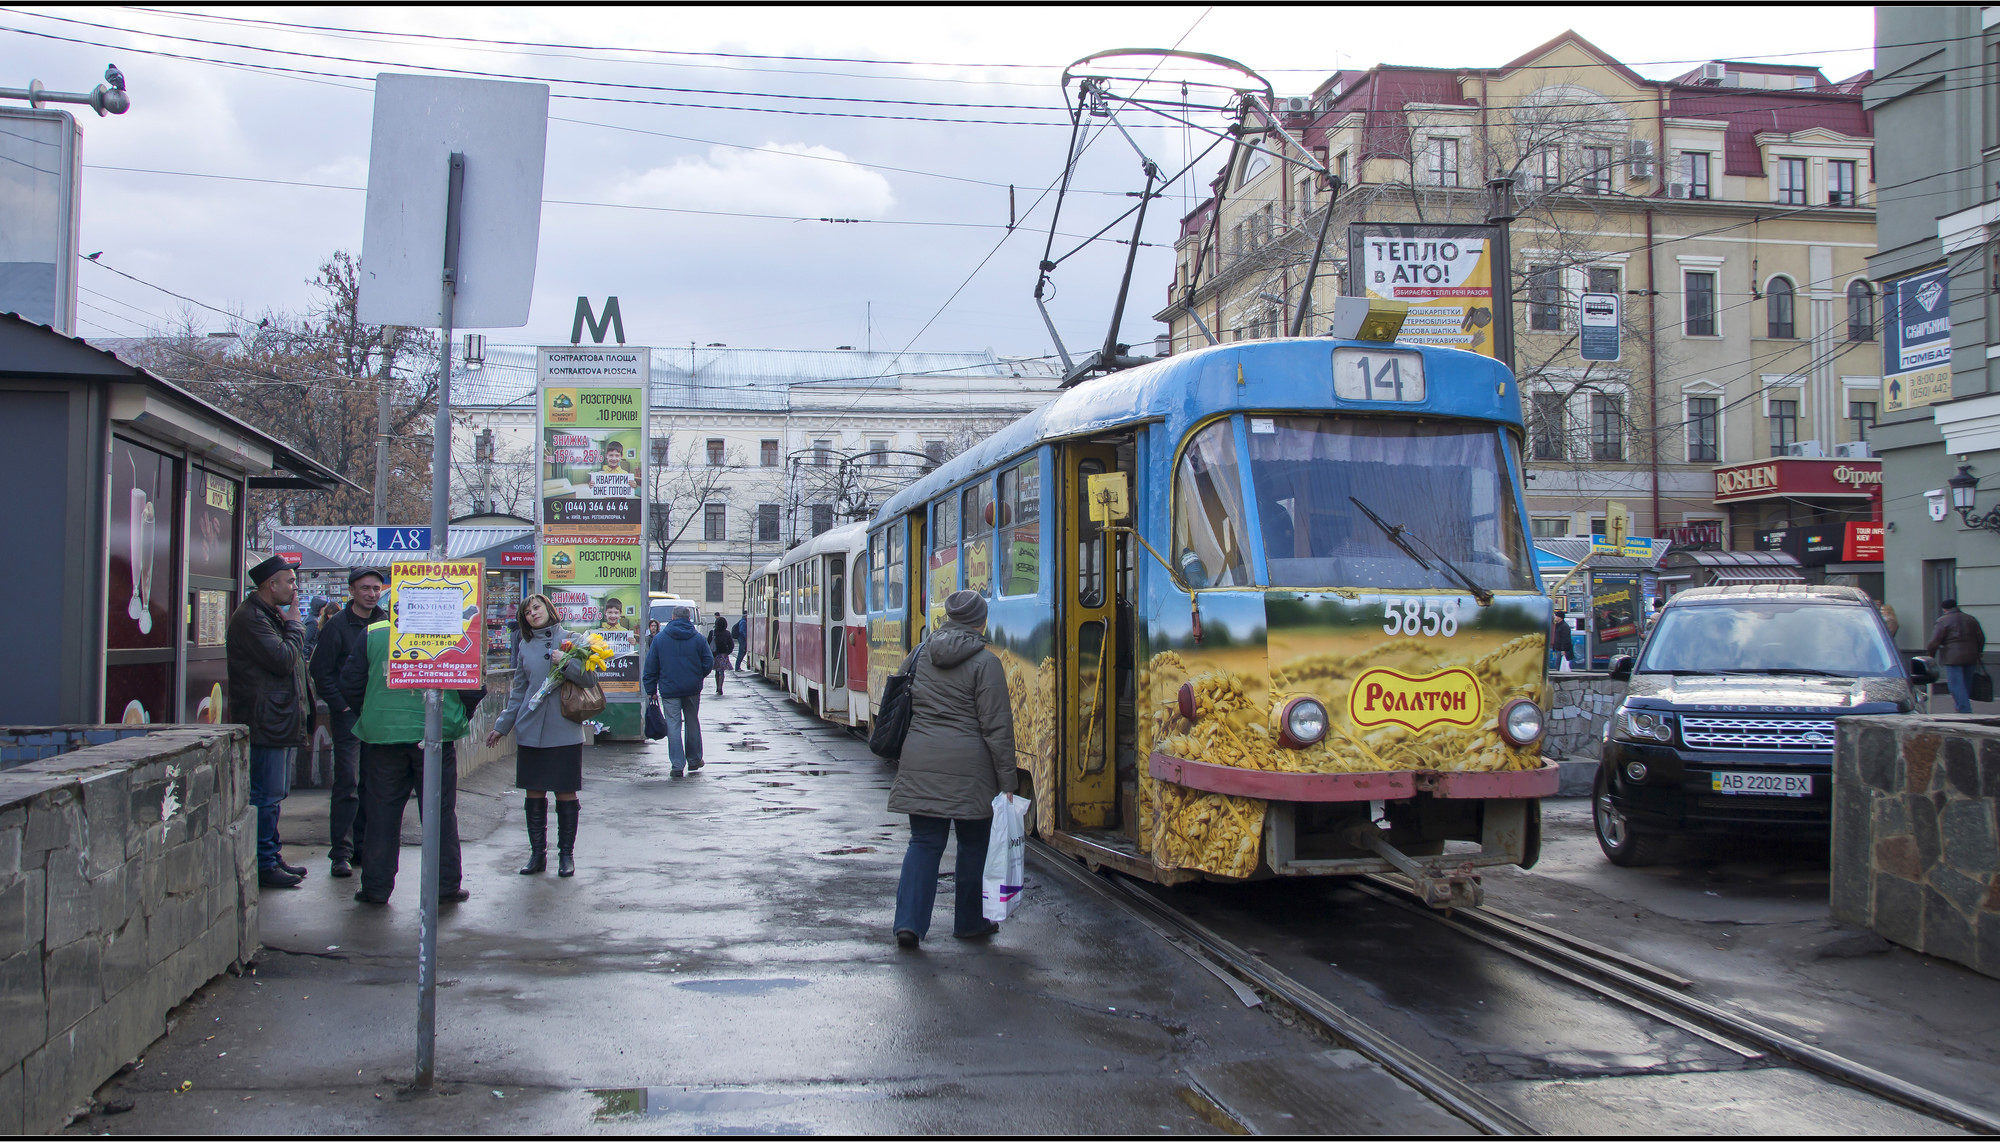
(1265, 608)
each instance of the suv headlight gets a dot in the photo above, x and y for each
(1642, 726)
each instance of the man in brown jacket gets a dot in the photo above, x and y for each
(1957, 641)
(958, 756)
(268, 693)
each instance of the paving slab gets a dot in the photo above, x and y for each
(723, 961)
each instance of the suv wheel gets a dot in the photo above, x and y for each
(1623, 845)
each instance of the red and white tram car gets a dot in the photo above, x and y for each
(821, 623)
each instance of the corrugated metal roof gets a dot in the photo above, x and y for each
(750, 379)
(1575, 547)
(332, 546)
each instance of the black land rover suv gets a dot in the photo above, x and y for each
(1727, 725)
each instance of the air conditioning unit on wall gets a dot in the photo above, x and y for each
(1639, 160)
(1677, 190)
(1295, 104)
(1854, 450)
(1713, 71)
(1808, 449)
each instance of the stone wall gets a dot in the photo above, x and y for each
(1577, 713)
(1916, 856)
(127, 880)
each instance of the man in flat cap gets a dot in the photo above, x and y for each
(268, 693)
(344, 636)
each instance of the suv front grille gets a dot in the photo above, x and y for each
(1773, 735)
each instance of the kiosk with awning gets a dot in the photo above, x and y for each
(1682, 569)
(125, 513)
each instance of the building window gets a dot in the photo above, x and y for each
(1860, 312)
(881, 450)
(767, 523)
(822, 518)
(1607, 427)
(482, 445)
(1596, 176)
(1549, 526)
(712, 587)
(1545, 298)
(933, 452)
(1702, 415)
(1550, 426)
(662, 519)
(1784, 425)
(1840, 183)
(661, 448)
(767, 453)
(1340, 166)
(1604, 279)
(715, 446)
(1441, 162)
(1694, 173)
(714, 518)
(1698, 291)
(1545, 169)
(1778, 309)
(822, 453)
(1860, 418)
(1306, 196)
(1791, 182)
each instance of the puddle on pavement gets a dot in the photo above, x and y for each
(1209, 1111)
(745, 987)
(750, 745)
(631, 1102)
(847, 852)
(785, 809)
(772, 784)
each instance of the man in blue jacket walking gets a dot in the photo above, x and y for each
(676, 663)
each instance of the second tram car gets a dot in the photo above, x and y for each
(822, 631)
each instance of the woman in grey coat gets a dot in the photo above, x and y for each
(548, 754)
(958, 756)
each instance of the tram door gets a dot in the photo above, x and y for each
(1089, 607)
(833, 694)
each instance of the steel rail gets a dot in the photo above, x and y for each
(1455, 1096)
(1619, 977)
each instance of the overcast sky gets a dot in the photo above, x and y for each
(647, 201)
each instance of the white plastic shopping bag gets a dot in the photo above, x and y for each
(1006, 857)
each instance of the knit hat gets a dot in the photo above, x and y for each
(268, 568)
(356, 575)
(968, 607)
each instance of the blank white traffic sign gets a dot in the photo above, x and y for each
(502, 129)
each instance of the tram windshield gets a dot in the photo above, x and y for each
(1441, 496)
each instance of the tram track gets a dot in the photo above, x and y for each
(1619, 979)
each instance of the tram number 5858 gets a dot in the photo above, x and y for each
(1429, 616)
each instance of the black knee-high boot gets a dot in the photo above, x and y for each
(538, 835)
(566, 838)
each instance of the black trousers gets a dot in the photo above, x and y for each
(390, 776)
(347, 818)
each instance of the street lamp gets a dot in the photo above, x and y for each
(1964, 491)
(1501, 210)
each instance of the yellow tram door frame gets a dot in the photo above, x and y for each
(1095, 497)
(917, 568)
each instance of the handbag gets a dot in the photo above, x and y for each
(656, 721)
(1982, 683)
(580, 703)
(892, 721)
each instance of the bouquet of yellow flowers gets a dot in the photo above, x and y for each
(594, 653)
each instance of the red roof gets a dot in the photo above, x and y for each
(1381, 94)
(1750, 112)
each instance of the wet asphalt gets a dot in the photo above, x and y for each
(722, 963)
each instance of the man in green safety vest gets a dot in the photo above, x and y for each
(391, 729)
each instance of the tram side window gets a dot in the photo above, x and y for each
(944, 558)
(978, 515)
(876, 597)
(860, 575)
(1210, 545)
(1020, 515)
(892, 574)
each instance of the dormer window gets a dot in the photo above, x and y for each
(1840, 183)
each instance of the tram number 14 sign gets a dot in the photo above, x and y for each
(1377, 375)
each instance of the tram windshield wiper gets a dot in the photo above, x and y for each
(1396, 536)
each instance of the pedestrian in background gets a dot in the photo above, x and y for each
(652, 628)
(1560, 644)
(391, 729)
(1957, 640)
(548, 748)
(958, 756)
(344, 636)
(742, 638)
(675, 665)
(720, 643)
(1888, 617)
(265, 648)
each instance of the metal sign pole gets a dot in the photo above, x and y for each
(433, 793)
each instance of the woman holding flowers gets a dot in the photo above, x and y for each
(548, 747)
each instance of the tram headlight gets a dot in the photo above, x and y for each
(1521, 723)
(1302, 721)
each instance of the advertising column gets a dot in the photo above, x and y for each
(592, 453)
(1445, 273)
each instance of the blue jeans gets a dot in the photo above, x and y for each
(916, 892)
(683, 717)
(1959, 680)
(270, 781)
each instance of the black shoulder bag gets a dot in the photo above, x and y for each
(892, 721)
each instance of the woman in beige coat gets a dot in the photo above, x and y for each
(958, 756)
